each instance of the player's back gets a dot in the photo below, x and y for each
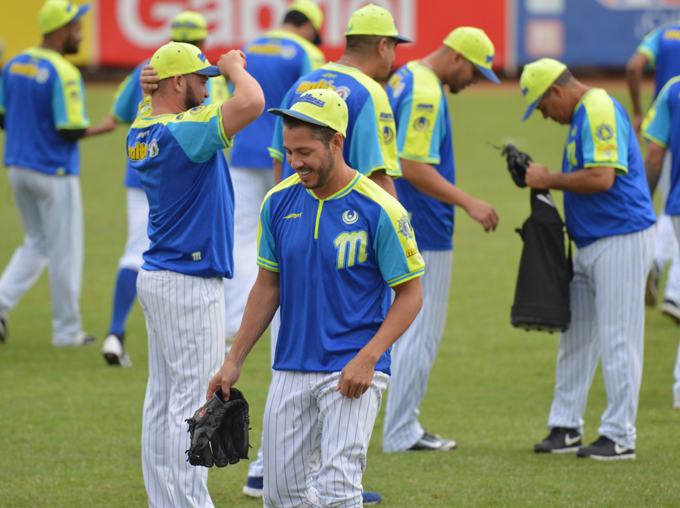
(276, 61)
(662, 47)
(41, 92)
(369, 144)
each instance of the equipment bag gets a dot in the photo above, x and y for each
(545, 271)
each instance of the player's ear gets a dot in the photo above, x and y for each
(178, 82)
(337, 142)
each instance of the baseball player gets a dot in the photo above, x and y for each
(175, 147)
(609, 215)
(189, 27)
(662, 128)
(331, 243)
(429, 194)
(659, 50)
(370, 147)
(42, 110)
(276, 60)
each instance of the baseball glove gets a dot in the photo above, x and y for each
(518, 162)
(219, 431)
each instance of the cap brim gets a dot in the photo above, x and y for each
(488, 74)
(531, 108)
(296, 114)
(211, 71)
(400, 39)
(82, 10)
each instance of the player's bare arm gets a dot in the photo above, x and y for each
(580, 181)
(634, 71)
(357, 375)
(428, 180)
(278, 168)
(247, 101)
(384, 181)
(260, 309)
(106, 125)
(653, 163)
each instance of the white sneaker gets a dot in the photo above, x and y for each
(114, 353)
(80, 339)
(672, 310)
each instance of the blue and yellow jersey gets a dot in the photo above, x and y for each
(129, 95)
(184, 173)
(337, 259)
(662, 47)
(600, 134)
(424, 135)
(276, 60)
(40, 94)
(662, 125)
(371, 138)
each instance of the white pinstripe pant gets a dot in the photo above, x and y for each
(675, 219)
(308, 425)
(185, 324)
(414, 353)
(138, 223)
(607, 322)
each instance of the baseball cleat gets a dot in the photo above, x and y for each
(652, 288)
(254, 486)
(605, 449)
(432, 442)
(3, 331)
(114, 352)
(560, 440)
(672, 310)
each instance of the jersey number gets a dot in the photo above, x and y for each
(346, 245)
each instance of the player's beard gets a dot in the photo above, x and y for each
(71, 45)
(191, 100)
(324, 171)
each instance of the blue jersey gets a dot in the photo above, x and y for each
(276, 60)
(662, 126)
(184, 173)
(370, 143)
(129, 95)
(42, 93)
(662, 47)
(600, 134)
(424, 135)
(337, 259)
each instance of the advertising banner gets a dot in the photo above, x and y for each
(587, 33)
(131, 30)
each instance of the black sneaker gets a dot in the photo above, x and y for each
(433, 442)
(672, 310)
(560, 440)
(605, 449)
(3, 331)
(652, 286)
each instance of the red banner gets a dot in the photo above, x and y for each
(131, 30)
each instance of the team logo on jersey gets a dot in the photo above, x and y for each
(293, 216)
(421, 124)
(388, 135)
(425, 107)
(404, 228)
(153, 148)
(197, 110)
(672, 35)
(138, 152)
(288, 52)
(397, 85)
(42, 75)
(312, 100)
(604, 132)
(306, 86)
(573, 131)
(350, 216)
(343, 92)
(196, 256)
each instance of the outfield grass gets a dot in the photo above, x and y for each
(72, 425)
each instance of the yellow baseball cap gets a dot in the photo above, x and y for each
(476, 47)
(181, 58)
(188, 26)
(319, 107)
(374, 20)
(536, 79)
(309, 9)
(56, 13)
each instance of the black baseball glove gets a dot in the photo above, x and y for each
(219, 431)
(518, 162)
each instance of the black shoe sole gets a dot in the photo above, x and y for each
(570, 449)
(625, 456)
(112, 359)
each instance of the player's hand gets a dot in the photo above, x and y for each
(231, 61)
(637, 123)
(108, 123)
(356, 377)
(148, 79)
(537, 176)
(226, 377)
(483, 213)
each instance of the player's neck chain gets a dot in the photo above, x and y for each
(349, 63)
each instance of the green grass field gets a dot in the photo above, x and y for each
(72, 426)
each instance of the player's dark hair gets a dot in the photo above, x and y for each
(319, 132)
(564, 80)
(295, 18)
(361, 44)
